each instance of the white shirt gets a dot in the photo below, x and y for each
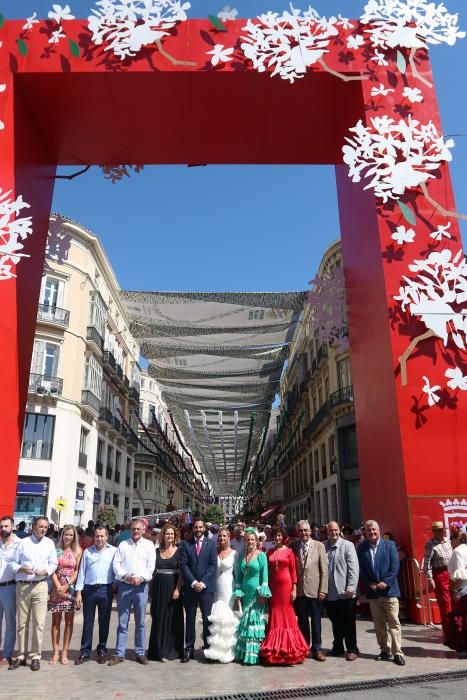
(37, 555)
(8, 555)
(374, 551)
(135, 559)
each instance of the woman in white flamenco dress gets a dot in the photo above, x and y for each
(222, 631)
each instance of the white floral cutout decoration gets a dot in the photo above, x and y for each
(288, 44)
(129, 25)
(13, 229)
(58, 14)
(410, 24)
(329, 310)
(437, 296)
(395, 156)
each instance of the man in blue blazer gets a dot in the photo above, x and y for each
(198, 561)
(379, 566)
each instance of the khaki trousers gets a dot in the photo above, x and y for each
(385, 614)
(31, 608)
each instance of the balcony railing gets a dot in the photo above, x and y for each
(82, 460)
(344, 395)
(42, 385)
(117, 424)
(317, 419)
(134, 394)
(132, 440)
(93, 335)
(89, 399)
(53, 314)
(105, 414)
(109, 360)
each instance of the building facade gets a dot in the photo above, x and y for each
(77, 451)
(316, 458)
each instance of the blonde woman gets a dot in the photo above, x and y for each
(222, 637)
(166, 640)
(62, 595)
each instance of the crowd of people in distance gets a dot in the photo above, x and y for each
(260, 588)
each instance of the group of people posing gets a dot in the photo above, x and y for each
(234, 590)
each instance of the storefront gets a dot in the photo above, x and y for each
(31, 501)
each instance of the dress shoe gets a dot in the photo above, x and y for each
(187, 657)
(141, 659)
(351, 656)
(115, 660)
(319, 655)
(399, 660)
(82, 658)
(384, 656)
(35, 665)
(16, 664)
(101, 657)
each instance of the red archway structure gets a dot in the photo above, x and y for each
(75, 103)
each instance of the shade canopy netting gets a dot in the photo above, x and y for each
(218, 358)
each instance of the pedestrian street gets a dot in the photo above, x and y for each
(422, 647)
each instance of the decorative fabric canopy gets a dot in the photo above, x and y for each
(217, 357)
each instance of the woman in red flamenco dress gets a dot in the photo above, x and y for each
(284, 644)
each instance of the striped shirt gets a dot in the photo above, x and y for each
(437, 555)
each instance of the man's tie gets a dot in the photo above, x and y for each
(198, 546)
(304, 552)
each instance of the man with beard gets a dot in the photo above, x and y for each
(9, 543)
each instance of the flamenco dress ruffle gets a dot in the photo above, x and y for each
(252, 629)
(284, 647)
(222, 633)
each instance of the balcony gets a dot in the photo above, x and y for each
(132, 440)
(124, 432)
(82, 460)
(117, 424)
(53, 315)
(93, 336)
(89, 399)
(42, 385)
(99, 468)
(119, 372)
(109, 360)
(317, 419)
(105, 414)
(134, 394)
(344, 395)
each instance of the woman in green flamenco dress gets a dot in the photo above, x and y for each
(252, 587)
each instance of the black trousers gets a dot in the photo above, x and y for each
(342, 614)
(191, 600)
(100, 597)
(306, 608)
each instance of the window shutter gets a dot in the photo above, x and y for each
(38, 356)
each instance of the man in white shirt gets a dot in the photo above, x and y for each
(9, 543)
(36, 560)
(134, 563)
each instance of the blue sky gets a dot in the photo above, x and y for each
(234, 227)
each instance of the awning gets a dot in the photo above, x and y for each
(270, 511)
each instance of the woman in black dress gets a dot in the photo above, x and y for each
(166, 640)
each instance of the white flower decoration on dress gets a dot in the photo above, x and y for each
(402, 235)
(344, 22)
(220, 54)
(378, 57)
(57, 35)
(381, 90)
(128, 25)
(59, 13)
(227, 14)
(395, 156)
(457, 379)
(30, 22)
(413, 94)
(441, 232)
(13, 229)
(410, 24)
(431, 392)
(354, 42)
(288, 43)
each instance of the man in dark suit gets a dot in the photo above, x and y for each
(379, 566)
(198, 561)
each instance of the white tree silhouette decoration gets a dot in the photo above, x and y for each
(129, 25)
(328, 314)
(288, 44)
(397, 156)
(410, 24)
(437, 296)
(13, 229)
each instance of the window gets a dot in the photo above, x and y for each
(45, 358)
(143, 383)
(325, 507)
(147, 481)
(151, 412)
(110, 459)
(344, 373)
(256, 315)
(115, 500)
(97, 313)
(128, 472)
(324, 464)
(38, 436)
(51, 292)
(83, 439)
(318, 508)
(332, 454)
(100, 457)
(93, 376)
(118, 464)
(137, 480)
(316, 461)
(349, 441)
(334, 514)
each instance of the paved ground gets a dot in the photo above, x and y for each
(424, 654)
